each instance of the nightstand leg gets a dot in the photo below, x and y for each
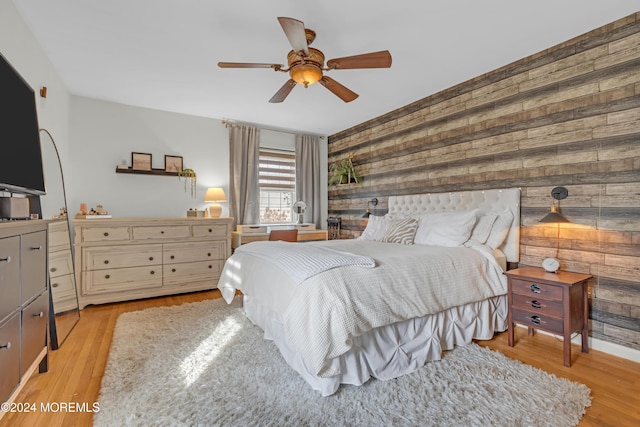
(567, 350)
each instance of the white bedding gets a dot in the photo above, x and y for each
(322, 315)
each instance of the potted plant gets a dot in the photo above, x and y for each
(190, 177)
(343, 172)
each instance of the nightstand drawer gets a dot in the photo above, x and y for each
(549, 323)
(538, 305)
(536, 289)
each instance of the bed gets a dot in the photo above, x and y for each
(422, 279)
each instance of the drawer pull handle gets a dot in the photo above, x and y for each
(173, 256)
(7, 259)
(106, 234)
(107, 276)
(535, 289)
(54, 285)
(7, 345)
(150, 258)
(210, 266)
(106, 261)
(36, 248)
(162, 232)
(536, 304)
(208, 253)
(210, 230)
(153, 272)
(173, 270)
(53, 269)
(535, 320)
(41, 314)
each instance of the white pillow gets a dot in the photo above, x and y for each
(376, 228)
(500, 229)
(482, 229)
(401, 231)
(445, 228)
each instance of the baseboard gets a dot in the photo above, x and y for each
(601, 345)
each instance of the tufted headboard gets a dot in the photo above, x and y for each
(486, 200)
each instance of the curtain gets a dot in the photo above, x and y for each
(244, 154)
(308, 177)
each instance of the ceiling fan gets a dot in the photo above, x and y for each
(306, 64)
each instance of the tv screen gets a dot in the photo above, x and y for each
(20, 154)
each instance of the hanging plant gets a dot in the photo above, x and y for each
(189, 176)
(343, 172)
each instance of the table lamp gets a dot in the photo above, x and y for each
(214, 195)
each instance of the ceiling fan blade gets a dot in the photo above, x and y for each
(347, 95)
(283, 92)
(247, 65)
(294, 30)
(380, 59)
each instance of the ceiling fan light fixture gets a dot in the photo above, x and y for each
(306, 74)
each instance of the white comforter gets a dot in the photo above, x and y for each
(325, 311)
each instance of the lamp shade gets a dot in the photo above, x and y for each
(554, 216)
(214, 195)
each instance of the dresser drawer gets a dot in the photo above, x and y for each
(9, 275)
(33, 252)
(9, 356)
(538, 320)
(184, 273)
(34, 330)
(189, 252)
(216, 231)
(60, 263)
(161, 232)
(536, 289)
(110, 257)
(538, 305)
(114, 280)
(105, 234)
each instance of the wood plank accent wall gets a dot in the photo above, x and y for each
(568, 116)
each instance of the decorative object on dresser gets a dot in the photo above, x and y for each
(215, 195)
(123, 259)
(552, 264)
(555, 303)
(24, 305)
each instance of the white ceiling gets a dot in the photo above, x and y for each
(163, 54)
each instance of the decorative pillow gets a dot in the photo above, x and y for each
(500, 229)
(445, 228)
(482, 229)
(376, 228)
(401, 231)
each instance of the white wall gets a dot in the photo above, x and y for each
(104, 134)
(93, 136)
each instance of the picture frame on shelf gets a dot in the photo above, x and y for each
(141, 161)
(172, 163)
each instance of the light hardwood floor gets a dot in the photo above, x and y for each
(76, 369)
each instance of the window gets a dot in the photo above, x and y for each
(277, 182)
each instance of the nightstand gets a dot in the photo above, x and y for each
(553, 302)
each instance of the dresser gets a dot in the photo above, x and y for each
(24, 304)
(121, 259)
(553, 302)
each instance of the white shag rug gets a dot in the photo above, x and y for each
(206, 364)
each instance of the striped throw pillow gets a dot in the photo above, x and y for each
(401, 231)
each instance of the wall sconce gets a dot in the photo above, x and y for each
(551, 264)
(215, 195)
(372, 202)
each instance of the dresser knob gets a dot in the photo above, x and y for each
(53, 269)
(535, 289)
(173, 256)
(162, 232)
(153, 272)
(106, 234)
(173, 270)
(54, 285)
(7, 345)
(210, 230)
(107, 276)
(106, 261)
(210, 266)
(7, 259)
(150, 258)
(208, 253)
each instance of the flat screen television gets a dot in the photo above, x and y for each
(20, 154)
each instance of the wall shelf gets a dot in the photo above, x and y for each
(160, 172)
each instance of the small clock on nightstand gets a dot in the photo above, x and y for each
(551, 265)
